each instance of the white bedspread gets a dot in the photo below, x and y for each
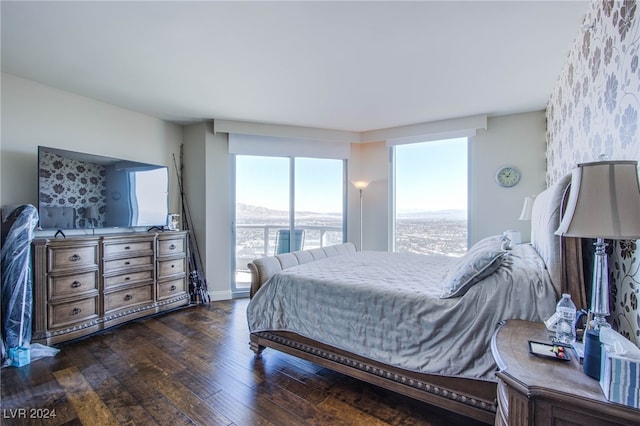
(386, 307)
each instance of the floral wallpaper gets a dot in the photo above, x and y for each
(593, 111)
(81, 184)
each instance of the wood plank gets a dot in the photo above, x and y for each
(162, 376)
(382, 404)
(90, 408)
(189, 403)
(33, 387)
(215, 357)
(147, 395)
(236, 411)
(355, 416)
(115, 396)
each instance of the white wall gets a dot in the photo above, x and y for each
(518, 140)
(34, 114)
(218, 214)
(207, 184)
(369, 162)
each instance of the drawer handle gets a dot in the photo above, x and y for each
(127, 278)
(173, 287)
(74, 258)
(173, 266)
(128, 297)
(127, 248)
(76, 284)
(172, 247)
(76, 311)
(127, 263)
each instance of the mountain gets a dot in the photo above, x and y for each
(451, 214)
(247, 210)
(257, 212)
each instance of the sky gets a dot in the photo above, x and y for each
(264, 181)
(430, 176)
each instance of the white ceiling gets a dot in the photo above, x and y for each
(339, 65)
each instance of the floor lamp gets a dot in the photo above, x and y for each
(360, 185)
(604, 203)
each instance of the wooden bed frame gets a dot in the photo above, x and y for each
(470, 397)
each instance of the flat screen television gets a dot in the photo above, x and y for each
(84, 191)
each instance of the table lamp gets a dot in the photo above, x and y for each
(604, 203)
(91, 215)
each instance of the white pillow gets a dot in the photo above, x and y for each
(478, 263)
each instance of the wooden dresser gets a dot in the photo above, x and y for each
(539, 391)
(89, 283)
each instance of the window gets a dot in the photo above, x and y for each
(430, 197)
(278, 195)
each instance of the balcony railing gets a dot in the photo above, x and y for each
(255, 241)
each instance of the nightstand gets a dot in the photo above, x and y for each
(539, 391)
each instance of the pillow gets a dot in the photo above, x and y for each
(478, 263)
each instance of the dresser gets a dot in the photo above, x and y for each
(540, 391)
(86, 284)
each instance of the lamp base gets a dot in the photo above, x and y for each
(592, 355)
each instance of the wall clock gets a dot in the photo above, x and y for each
(507, 176)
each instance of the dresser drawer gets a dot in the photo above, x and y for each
(130, 262)
(68, 313)
(130, 278)
(128, 297)
(168, 289)
(73, 258)
(171, 247)
(72, 285)
(129, 248)
(167, 268)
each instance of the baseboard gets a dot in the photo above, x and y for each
(220, 295)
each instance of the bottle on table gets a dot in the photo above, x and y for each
(565, 327)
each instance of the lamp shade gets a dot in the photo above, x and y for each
(361, 184)
(604, 201)
(525, 214)
(90, 212)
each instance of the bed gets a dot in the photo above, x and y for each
(418, 325)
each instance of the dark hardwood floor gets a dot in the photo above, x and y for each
(194, 366)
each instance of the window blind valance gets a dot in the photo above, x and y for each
(272, 146)
(438, 130)
(432, 137)
(246, 138)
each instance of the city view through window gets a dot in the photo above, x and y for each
(431, 197)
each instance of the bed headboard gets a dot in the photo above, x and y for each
(562, 255)
(57, 217)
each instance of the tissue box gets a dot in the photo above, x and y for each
(620, 378)
(19, 356)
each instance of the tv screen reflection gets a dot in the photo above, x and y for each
(79, 190)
